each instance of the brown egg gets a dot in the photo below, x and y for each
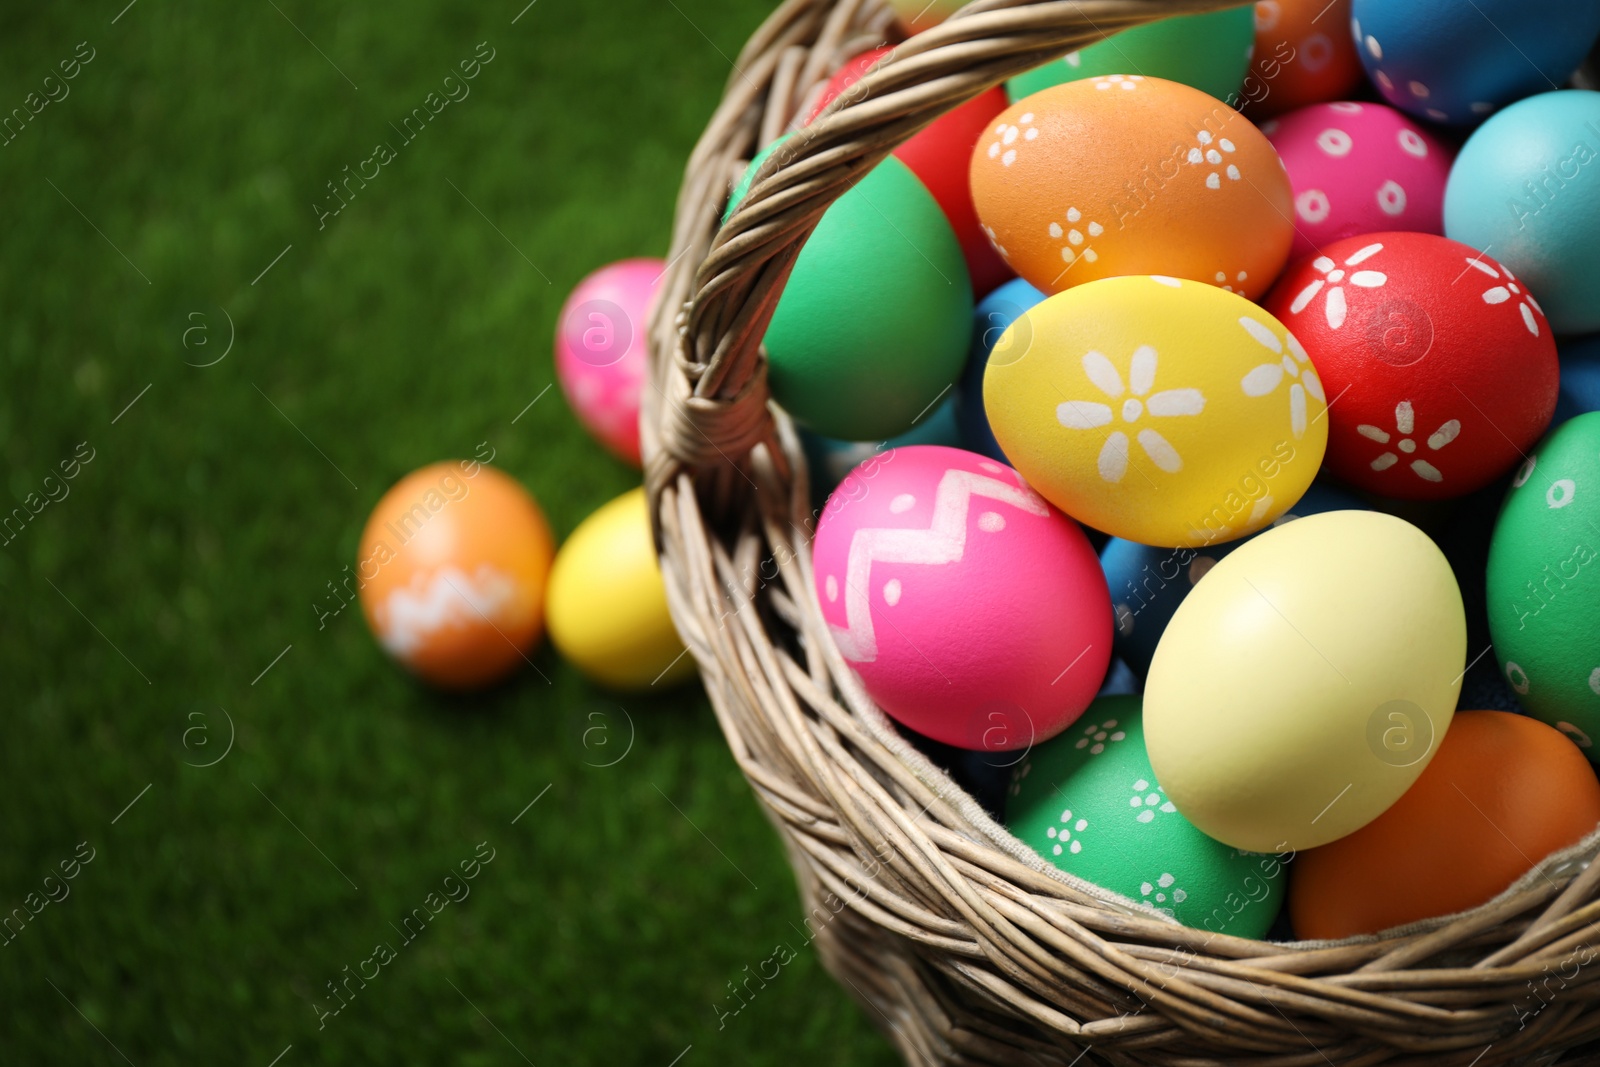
(1126, 175)
(1502, 792)
(453, 565)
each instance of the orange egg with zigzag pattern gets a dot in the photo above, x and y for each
(452, 569)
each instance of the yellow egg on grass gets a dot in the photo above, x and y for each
(1306, 681)
(1158, 410)
(606, 607)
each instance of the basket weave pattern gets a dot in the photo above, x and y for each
(962, 945)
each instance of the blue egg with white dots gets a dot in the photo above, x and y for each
(1459, 61)
(1525, 189)
(1148, 583)
(1580, 377)
(990, 319)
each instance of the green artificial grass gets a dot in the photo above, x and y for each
(173, 589)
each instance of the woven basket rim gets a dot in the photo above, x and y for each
(728, 486)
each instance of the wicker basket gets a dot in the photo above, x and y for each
(962, 944)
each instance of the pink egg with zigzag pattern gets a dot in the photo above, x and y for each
(974, 612)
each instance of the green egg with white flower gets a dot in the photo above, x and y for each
(1543, 582)
(1088, 802)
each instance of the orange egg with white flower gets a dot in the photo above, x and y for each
(1123, 174)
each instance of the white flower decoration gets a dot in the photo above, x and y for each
(1062, 835)
(1506, 290)
(1089, 415)
(1121, 81)
(1333, 275)
(1075, 246)
(1099, 735)
(1405, 423)
(1006, 136)
(1294, 365)
(1207, 152)
(1147, 801)
(1160, 889)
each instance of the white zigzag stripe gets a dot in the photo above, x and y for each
(448, 597)
(943, 542)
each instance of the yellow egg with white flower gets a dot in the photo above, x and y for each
(1164, 411)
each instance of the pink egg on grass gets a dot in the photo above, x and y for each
(1359, 168)
(600, 350)
(974, 612)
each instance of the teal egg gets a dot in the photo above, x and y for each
(1210, 52)
(1526, 188)
(1544, 582)
(1088, 801)
(873, 324)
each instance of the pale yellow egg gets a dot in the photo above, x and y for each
(1306, 680)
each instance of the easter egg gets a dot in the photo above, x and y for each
(1440, 363)
(1209, 52)
(1580, 376)
(607, 610)
(854, 70)
(1089, 802)
(1544, 581)
(1300, 688)
(938, 157)
(452, 565)
(1130, 175)
(1502, 793)
(914, 16)
(993, 316)
(1161, 411)
(1303, 55)
(1148, 583)
(872, 325)
(600, 350)
(1455, 61)
(828, 461)
(973, 612)
(1359, 168)
(1526, 187)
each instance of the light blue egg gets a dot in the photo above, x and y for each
(829, 460)
(993, 315)
(1148, 583)
(1525, 189)
(1580, 377)
(1457, 61)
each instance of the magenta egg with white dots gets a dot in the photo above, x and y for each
(972, 611)
(600, 350)
(1359, 168)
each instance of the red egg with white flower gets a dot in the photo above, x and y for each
(1439, 366)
